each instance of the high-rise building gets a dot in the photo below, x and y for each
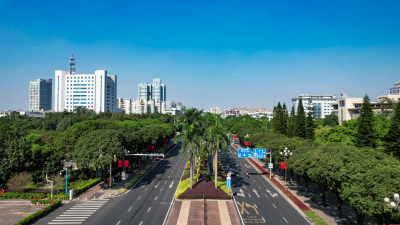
(159, 91)
(156, 91)
(321, 104)
(97, 92)
(40, 93)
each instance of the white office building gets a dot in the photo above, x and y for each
(97, 92)
(321, 104)
(40, 93)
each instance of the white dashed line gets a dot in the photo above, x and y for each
(141, 223)
(119, 222)
(139, 197)
(285, 220)
(149, 209)
(161, 189)
(250, 195)
(130, 209)
(255, 206)
(274, 205)
(266, 195)
(156, 198)
(263, 219)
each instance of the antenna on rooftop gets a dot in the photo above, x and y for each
(72, 64)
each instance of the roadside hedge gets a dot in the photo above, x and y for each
(37, 215)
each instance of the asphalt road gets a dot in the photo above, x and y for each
(146, 203)
(258, 201)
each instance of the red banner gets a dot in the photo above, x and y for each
(126, 163)
(235, 136)
(247, 143)
(153, 148)
(283, 165)
(2, 191)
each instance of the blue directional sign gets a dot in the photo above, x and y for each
(228, 182)
(259, 153)
(244, 153)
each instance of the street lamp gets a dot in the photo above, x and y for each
(286, 153)
(66, 179)
(395, 203)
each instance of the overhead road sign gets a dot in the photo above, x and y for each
(259, 153)
(244, 153)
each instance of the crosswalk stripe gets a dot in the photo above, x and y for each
(79, 212)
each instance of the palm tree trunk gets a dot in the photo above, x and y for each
(191, 172)
(216, 170)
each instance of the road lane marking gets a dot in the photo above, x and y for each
(255, 206)
(141, 223)
(119, 222)
(145, 189)
(249, 195)
(72, 217)
(139, 197)
(244, 187)
(169, 176)
(65, 223)
(170, 186)
(263, 219)
(259, 187)
(130, 209)
(161, 189)
(157, 184)
(274, 205)
(156, 198)
(266, 195)
(149, 209)
(67, 220)
(285, 220)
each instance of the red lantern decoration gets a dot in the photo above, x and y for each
(283, 165)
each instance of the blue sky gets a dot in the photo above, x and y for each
(208, 53)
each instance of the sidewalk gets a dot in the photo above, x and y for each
(199, 212)
(311, 199)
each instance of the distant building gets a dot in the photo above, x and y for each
(321, 104)
(251, 111)
(156, 91)
(216, 110)
(97, 92)
(140, 106)
(349, 108)
(40, 94)
(394, 93)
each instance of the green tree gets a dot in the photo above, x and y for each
(366, 136)
(291, 123)
(97, 149)
(392, 138)
(310, 127)
(330, 120)
(216, 138)
(300, 122)
(191, 134)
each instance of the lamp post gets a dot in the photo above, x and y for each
(395, 203)
(51, 182)
(286, 153)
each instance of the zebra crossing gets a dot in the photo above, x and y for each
(79, 212)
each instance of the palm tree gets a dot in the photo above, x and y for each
(216, 137)
(192, 129)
